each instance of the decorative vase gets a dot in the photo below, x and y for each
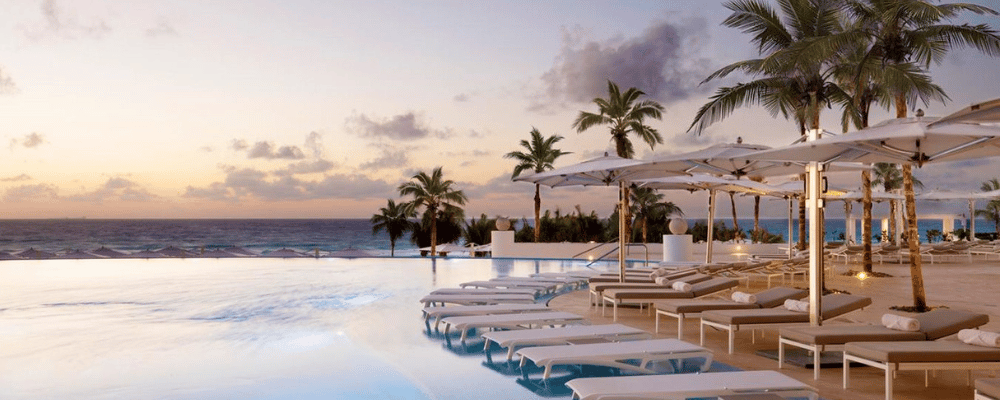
(678, 226)
(503, 224)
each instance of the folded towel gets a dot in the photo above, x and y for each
(900, 323)
(795, 305)
(979, 338)
(659, 272)
(681, 286)
(663, 281)
(741, 297)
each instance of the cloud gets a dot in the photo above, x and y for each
(664, 63)
(30, 141)
(239, 145)
(408, 126)
(22, 193)
(390, 158)
(244, 183)
(57, 24)
(270, 151)
(207, 149)
(307, 167)
(162, 28)
(314, 143)
(7, 85)
(116, 189)
(19, 178)
(461, 97)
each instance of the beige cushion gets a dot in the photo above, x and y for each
(989, 387)
(697, 306)
(840, 334)
(774, 297)
(923, 351)
(942, 322)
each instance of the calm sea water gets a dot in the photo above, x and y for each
(271, 234)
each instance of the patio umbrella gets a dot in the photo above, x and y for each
(78, 255)
(218, 253)
(285, 253)
(106, 252)
(916, 140)
(939, 195)
(239, 251)
(34, 253)
(710, 183)
(601, 171)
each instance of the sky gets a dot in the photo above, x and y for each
(321, 109)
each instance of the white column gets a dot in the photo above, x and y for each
(711, 226)
(814, 204)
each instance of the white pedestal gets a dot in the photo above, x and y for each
(678, 248)
(502, 243)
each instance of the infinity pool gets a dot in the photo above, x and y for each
(240, 328)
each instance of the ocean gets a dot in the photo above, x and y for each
(262, 235)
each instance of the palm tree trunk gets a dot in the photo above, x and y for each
(736, 222)
(626, 215)
(538, 208)
(866, 225)
(892, 221)
(900, 100)
(644, 241)
(802, 222)
(916, 274)
(434, 232)
(392, 248)
(756, 219)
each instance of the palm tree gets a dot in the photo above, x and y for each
(394, 219)
(434, 193)
(903, 31)
(793, 78)
(647, 205)
(625, 114)
(992, 210)
(756, 211)
(539, 157)
(736, 222)
(890, 178)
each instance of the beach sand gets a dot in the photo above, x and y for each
(956, 285)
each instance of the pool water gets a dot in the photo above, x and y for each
(242, 328)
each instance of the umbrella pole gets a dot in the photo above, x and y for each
(621, 231)
(790, 227)
(711, 226)
(972, 219)
(815, 205)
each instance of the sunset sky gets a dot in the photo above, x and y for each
(320, 109)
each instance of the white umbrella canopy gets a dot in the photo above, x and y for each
(601, 171)
(984, 113)
(856, 195)
(916, 140)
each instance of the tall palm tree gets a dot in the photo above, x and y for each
(624, 114)
(902, 31)
(756, 211)
(647, 205)
(539, 157)
(736, 222)
(434, 193)
(394, 219)
(793, 78)
(992, 210)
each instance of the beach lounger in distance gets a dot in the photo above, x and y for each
(683, 386)
(510, 321)
(646, 296)
(920, 356)
(934, 325)
(512, 340)
(455, 311)
(615, 354)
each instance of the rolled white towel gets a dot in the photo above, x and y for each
(795, 305)
(979, 338)
(653, 275)
(900, 323)
(681, 286)
(741, 297)
(662, 281)
(659, 272)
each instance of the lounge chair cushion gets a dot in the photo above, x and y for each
(840, 334)
(989, 387)
(774, 297)
(697, 306)
(651, 294)
(942, 322)
(910, 352)
(833, 305)
(838, 304)
(713, 285)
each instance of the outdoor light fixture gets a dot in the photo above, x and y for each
(862, 275)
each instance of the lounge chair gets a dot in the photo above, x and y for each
(597, 288)
(621, 355)
(457, 311)
(921, 356)
(987, 389)
(493, 284)
(512, 340)
(934, 325)
(638, 277)
(682, 386)
(472, 299)
(682, 309)
(834, 305)
(649, 295)
(510, 321)
(484, 292)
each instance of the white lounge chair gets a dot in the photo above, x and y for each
(616, 354)
(684, 386)
(486, 292)
(921, 356)
(458, 311)
(472, 299)
(539, 286)
(512, 340)
(681, 309)
(510, 321)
